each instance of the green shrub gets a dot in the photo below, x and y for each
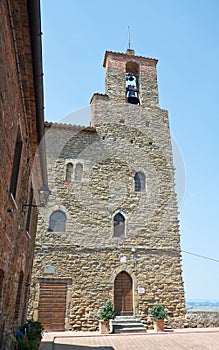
(158, 312)
(29, 335)
(107, 312)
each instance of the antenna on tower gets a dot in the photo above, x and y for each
(129, 42)
(129, 51)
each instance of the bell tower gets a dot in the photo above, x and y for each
(129, 116)
(129, 79)
(127, 70)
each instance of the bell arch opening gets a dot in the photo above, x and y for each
(133, 68)
(132, 85)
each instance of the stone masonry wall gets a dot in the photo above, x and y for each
(123, 139)
(93, 271)
(87, 252)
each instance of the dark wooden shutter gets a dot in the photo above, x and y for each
(52, 306)
(16, 166)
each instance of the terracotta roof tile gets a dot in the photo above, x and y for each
(131, 56)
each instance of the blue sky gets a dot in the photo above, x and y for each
(183, 36)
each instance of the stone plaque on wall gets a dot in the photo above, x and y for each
(123, 259)
(50, 269)
(141, 290)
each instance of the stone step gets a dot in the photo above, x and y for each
(129, 330)
(125, 319)
(127, 324)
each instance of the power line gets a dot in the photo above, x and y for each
(200, 256)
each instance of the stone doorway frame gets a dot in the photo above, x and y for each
(127, 269)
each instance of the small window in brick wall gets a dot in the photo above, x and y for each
(26, 294)
(19, 295)
(119, 225)
(57, 221)
(139, 180)
(69, 171)
(16, 165)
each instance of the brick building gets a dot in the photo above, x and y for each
(22, 162)
(110, 229)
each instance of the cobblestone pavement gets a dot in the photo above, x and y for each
(189, 339)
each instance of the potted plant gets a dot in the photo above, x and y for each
(158, 314)
(29, 335)
(106, 314)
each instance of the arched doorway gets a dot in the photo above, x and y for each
(123, 296)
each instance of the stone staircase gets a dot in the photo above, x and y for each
(127, 324)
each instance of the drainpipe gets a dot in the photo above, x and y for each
(36, 46)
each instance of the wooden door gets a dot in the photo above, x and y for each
(123, 296)
(52, 306)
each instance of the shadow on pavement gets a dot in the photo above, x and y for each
(57, 346)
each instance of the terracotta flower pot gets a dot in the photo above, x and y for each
(104, 327)
(159, 325)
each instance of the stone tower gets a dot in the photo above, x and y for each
(110, 229)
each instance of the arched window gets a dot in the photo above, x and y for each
(119, 225)
(57, 221)
(78, 172)
(69, 171)
(139, 180)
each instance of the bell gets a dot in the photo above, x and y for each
(132, 97)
